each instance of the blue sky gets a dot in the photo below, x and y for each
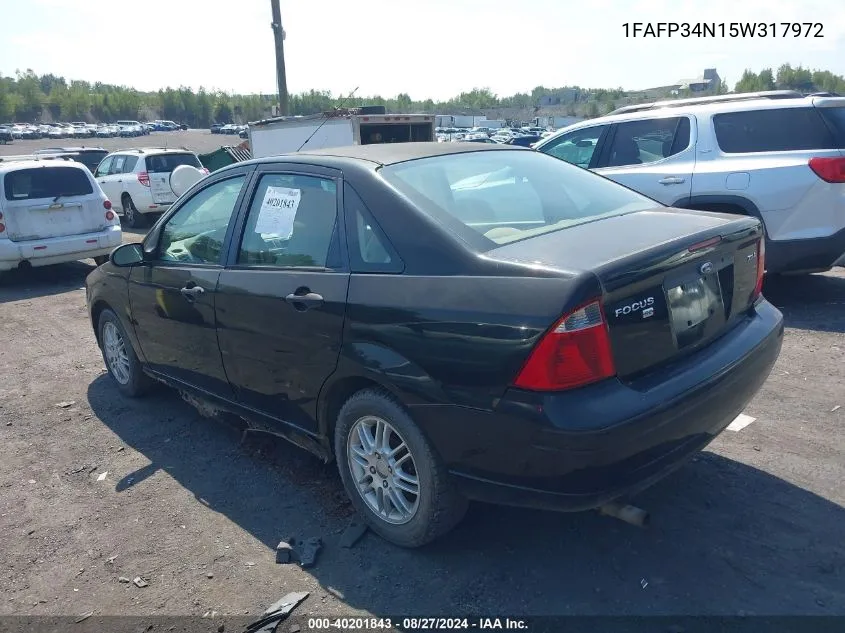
(427, 48)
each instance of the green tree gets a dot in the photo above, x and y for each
(32, 99)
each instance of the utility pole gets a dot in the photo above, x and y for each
(281, 77)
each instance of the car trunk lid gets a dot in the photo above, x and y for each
(44, 202)
(672, 281)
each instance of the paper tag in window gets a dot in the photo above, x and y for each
(278, 211)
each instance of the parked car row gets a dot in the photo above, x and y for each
(523, 136)
(79, 129)
(228, 128)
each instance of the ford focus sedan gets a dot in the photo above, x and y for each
(447, 322)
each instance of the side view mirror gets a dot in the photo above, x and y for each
(127, 255)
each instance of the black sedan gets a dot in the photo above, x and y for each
(448, 322)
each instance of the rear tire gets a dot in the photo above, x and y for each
(122, 363)
(133, 217)
(404, 464)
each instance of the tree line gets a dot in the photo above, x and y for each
(31, 97)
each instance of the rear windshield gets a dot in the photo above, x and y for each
(507, 195)
(90, 158)
(46, 182)
(169, 162)
(779, 130)
(835, 118)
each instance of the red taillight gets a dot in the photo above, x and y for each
(107, 204)
(2, 228)
(829, 169)
(575, 352)
(144, 178)
(109, 215)
(761, 268)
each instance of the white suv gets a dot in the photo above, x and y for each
(53, 212)
(779, 156)
(137, 181)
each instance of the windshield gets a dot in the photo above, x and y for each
(509, 195)
(169, 162)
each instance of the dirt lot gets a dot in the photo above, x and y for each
(96, 486)
(199, 141)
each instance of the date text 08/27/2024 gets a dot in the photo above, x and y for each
(724, 29)
(416, 624)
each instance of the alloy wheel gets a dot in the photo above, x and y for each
(115, 352)
(383, 470)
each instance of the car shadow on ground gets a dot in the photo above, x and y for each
(43, 281)
(726, 538)
(809, 302)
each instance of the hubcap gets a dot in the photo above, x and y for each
(383, 470)
(116, 356)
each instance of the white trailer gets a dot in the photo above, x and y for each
(284, 135)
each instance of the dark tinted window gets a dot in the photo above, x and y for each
(46, 182)
(772, 131)
(369, 249)
(91, 158)
(292, 222)
(647, 141)
(164, 163)
(835, 118)
(130, 163)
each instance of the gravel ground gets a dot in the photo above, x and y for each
(199, 141)
(96, 487)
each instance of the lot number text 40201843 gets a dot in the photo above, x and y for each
(723, 29)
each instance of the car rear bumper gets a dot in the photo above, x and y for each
(580, 449)
(56, 250)
(816, 254)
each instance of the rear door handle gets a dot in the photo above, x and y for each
(303, 299)
(672, 180)
(192, 292)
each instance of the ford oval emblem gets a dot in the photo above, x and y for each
(706, 268)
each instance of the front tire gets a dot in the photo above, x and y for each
(122, 363)
(391, 472)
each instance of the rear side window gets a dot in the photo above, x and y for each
(781, 130)
(164, 163)
(130, 163)
(835, 118)
(46, 182)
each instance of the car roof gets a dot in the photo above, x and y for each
(143, 151)
(391, 153)
(6, 167)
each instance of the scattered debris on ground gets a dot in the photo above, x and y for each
(102, 476)
(123, 579)
(277, 613)
(353, 534)
(84, 617)
(284, 552)
(65, 404)
(140, 582)
(307, 551)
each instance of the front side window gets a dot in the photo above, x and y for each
(47, 182)
(508, 195)
(772, 130)
(576, 147)
(292, 222)
(103, 168)
(196, 232)
(647, 141)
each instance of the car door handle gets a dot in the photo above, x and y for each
(672, 180)
(303, 299)
(192, 292)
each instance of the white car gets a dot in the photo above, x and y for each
(137, 181)
(53, 212)
(776, 156)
